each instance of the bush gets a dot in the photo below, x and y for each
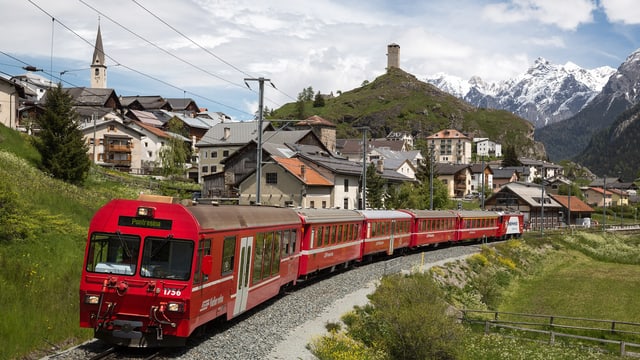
(407, 319)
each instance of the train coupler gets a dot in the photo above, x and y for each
(159, 333)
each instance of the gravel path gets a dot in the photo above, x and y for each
(282, 329)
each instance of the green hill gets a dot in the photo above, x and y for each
(398, 101)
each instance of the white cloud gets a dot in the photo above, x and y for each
(565, 14)
(624, 11)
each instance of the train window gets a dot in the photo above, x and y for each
(284, 239)
(113, 253)
(275, 260)
(228, 254)
(319, 236)
(204, 248)
(258, 258)
(292, 241)
(268, 252)
(166, 258)
(327, 234)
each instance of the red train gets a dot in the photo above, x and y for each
(155, 270)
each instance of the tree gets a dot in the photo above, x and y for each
(175, 153)
(60, 142)
(318, 101)
(375, 188)
(510, 158)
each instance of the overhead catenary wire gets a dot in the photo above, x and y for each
(135, 70)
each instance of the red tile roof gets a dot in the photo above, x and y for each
(295, 167)
(577, 205)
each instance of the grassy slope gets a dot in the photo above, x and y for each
(41, 268)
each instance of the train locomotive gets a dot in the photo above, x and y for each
(155, 269)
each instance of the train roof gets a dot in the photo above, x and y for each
(432, 213)
(384, 214)
(312, 216)
(476, 213)
(241, 216)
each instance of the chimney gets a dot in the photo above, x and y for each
(380, 166)
(303, 172)
(227, 133)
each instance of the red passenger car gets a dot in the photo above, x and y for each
(432, 227)
(156, 270)
(331, 238)
(476, 225)
(385, 231)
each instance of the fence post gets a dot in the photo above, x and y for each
(613, 326)
(552, 338)
(623, 350)
(486, 327)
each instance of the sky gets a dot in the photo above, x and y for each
(205, 49)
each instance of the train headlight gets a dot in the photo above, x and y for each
(175, 307)
(145, 212)
(91, 299)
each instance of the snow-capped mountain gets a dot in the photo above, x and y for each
(544, 94)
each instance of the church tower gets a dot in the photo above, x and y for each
(98, 67)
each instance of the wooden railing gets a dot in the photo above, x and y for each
(554, 327)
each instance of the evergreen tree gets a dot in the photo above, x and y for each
(60, 142)
(318, 101)
(376, 193)
(510, 158)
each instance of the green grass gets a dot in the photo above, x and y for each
(573, 284)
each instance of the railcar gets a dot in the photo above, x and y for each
(510, 225)
(476, 225)
(331, 239)
(155, 270)
(385, 231)
(432, 227)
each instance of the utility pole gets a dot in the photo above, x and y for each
(93, 117)
(364, 129)
(431, 160)
(260, 81)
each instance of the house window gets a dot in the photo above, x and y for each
(272, 178)
(149, 154)
(312, 204)
(324, 204)
(214, 154)
(225, 153)
(112, 127)
(205, 169)
(345, 203)
(346, 185)
(214, 169)
(205, 154)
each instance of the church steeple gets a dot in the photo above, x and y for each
(98, 67)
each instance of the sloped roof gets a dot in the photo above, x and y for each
(315, 120)
(180, 103)
(193, 122)
(83, 96)
(295, 167)
(240, 133)
(145, 117)
(448, 134)
(530, 193)
(281, 137)
(450, 169)
(147, 101)
(152, 129)
(600, 190)
(577, 205)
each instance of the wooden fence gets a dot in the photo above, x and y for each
(554, 327)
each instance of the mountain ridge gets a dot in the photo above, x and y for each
(545, 93)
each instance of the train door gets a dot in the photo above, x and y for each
(392, 232)
(244, 271)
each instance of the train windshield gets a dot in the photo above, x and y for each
(167, 258)
(113, 253)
